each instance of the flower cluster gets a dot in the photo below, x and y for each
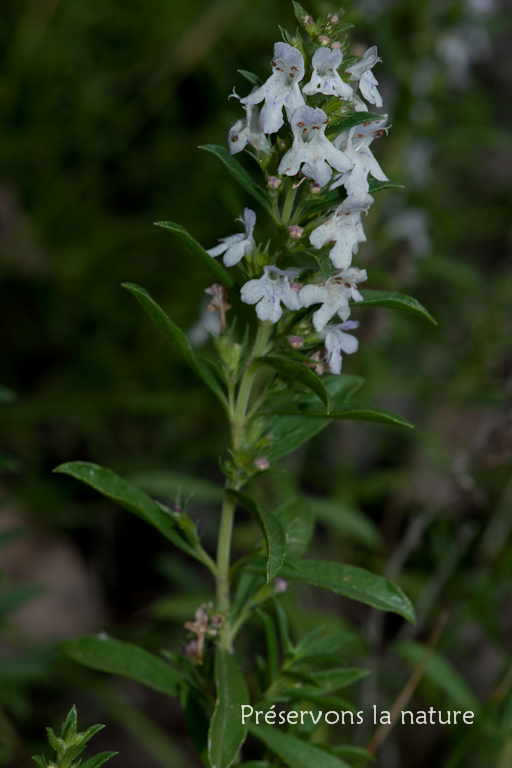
(319, 95)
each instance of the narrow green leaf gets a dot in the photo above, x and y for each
(335, 679)
(199, 253)
(298, 372)
(317, 643)
(295, 752)
(98, 760)
(227, 732)
(238, 172)
(394, 300)
(353, 582)
(176, 336)
(272, 530)
(440, 672)
(250, 76)
(298, 522)
(272, 647)
(353, 412)
(129, 497)
(290, 432)
(357, 752)
(126, 659)
(348, 520)
(379, 186)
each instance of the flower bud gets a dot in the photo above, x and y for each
(273, 182)
(315, 188)
(295, 342)
(323, 40)
(261, 463)
(295, 232)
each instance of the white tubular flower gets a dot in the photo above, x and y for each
(247, 130)
(235, 247)
(337, 341)
(311, 148)
(344, 230)
(334, 296)
(361, 73)
(281, 89)
(355, 144)
(325, 79)
(269, 291)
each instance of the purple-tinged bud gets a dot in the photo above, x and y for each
(315, 188)
(334, 18)
(296, 342)
(335, 45)
(261, 463)
(323, 40)
(295, 232)
(280, 586)
(273, 182)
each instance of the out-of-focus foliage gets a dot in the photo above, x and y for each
(102, 106)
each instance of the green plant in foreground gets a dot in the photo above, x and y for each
(278, 386)
(70, 745)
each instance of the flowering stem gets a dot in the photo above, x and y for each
(234, 483)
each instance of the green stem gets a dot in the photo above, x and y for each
(238, 425)
(288, 204)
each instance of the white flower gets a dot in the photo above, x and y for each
(235, 247)
(269, 291)
(311, 148)
(325, 79)
(281, 89)
(361, 73)
(337, 341)
(344, 230)
(355, 144)
(334, 296)
(247, 130)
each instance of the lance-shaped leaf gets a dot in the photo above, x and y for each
(347, 580)
(176, 336)
(394, 300)
(354, 412)
(377, 186)
(298, 372)
(131, 498)
(272, 529)
(126, 659)
(291, 431)
(296, 753)
(98, 760)
(227, 732)
(238, 172)
(351, 581)
(198, 252)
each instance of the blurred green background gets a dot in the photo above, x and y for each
(102, 108)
